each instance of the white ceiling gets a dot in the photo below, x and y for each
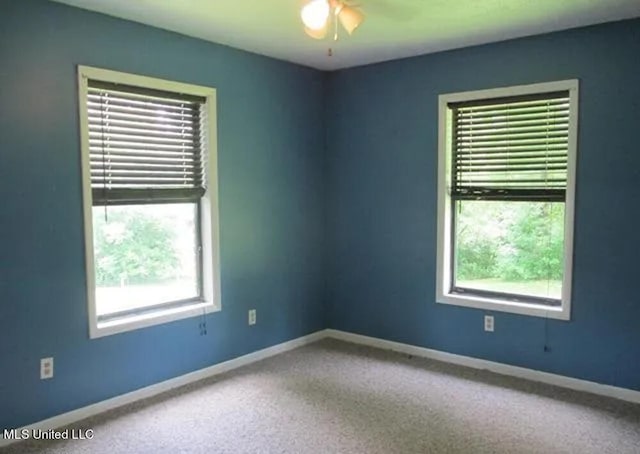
(392, 29)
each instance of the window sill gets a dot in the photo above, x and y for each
(490, 304)
(158, 317)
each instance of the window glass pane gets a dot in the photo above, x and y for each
(510, 247)
(144, 255)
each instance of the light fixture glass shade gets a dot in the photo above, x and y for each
(316, 34)
(315, 14)
(350, 18)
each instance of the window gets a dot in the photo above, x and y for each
(506, 176)
(150, 200)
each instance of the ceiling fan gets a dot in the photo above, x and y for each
(316, 16)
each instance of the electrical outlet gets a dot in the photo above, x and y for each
(46, 368)
(488, 323)
(252, 317)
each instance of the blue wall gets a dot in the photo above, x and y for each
(271, 145)
(381, 198)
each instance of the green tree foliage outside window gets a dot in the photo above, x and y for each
(133, 248)
(511, 241)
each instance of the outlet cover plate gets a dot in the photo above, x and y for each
(489, 323)
(46, 368)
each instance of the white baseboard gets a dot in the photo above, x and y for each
(504, 369)
(500, 368)
(152, 390)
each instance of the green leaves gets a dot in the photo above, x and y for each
(132, 247)
(512, 241)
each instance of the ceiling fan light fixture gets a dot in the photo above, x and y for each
(316, 34)
(350, 17)
(315, 15)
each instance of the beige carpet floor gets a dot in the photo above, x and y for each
(333, 397)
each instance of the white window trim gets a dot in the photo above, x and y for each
(443, 274)
(208, 207)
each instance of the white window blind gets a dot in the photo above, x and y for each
(145, 145)
(511, 148)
